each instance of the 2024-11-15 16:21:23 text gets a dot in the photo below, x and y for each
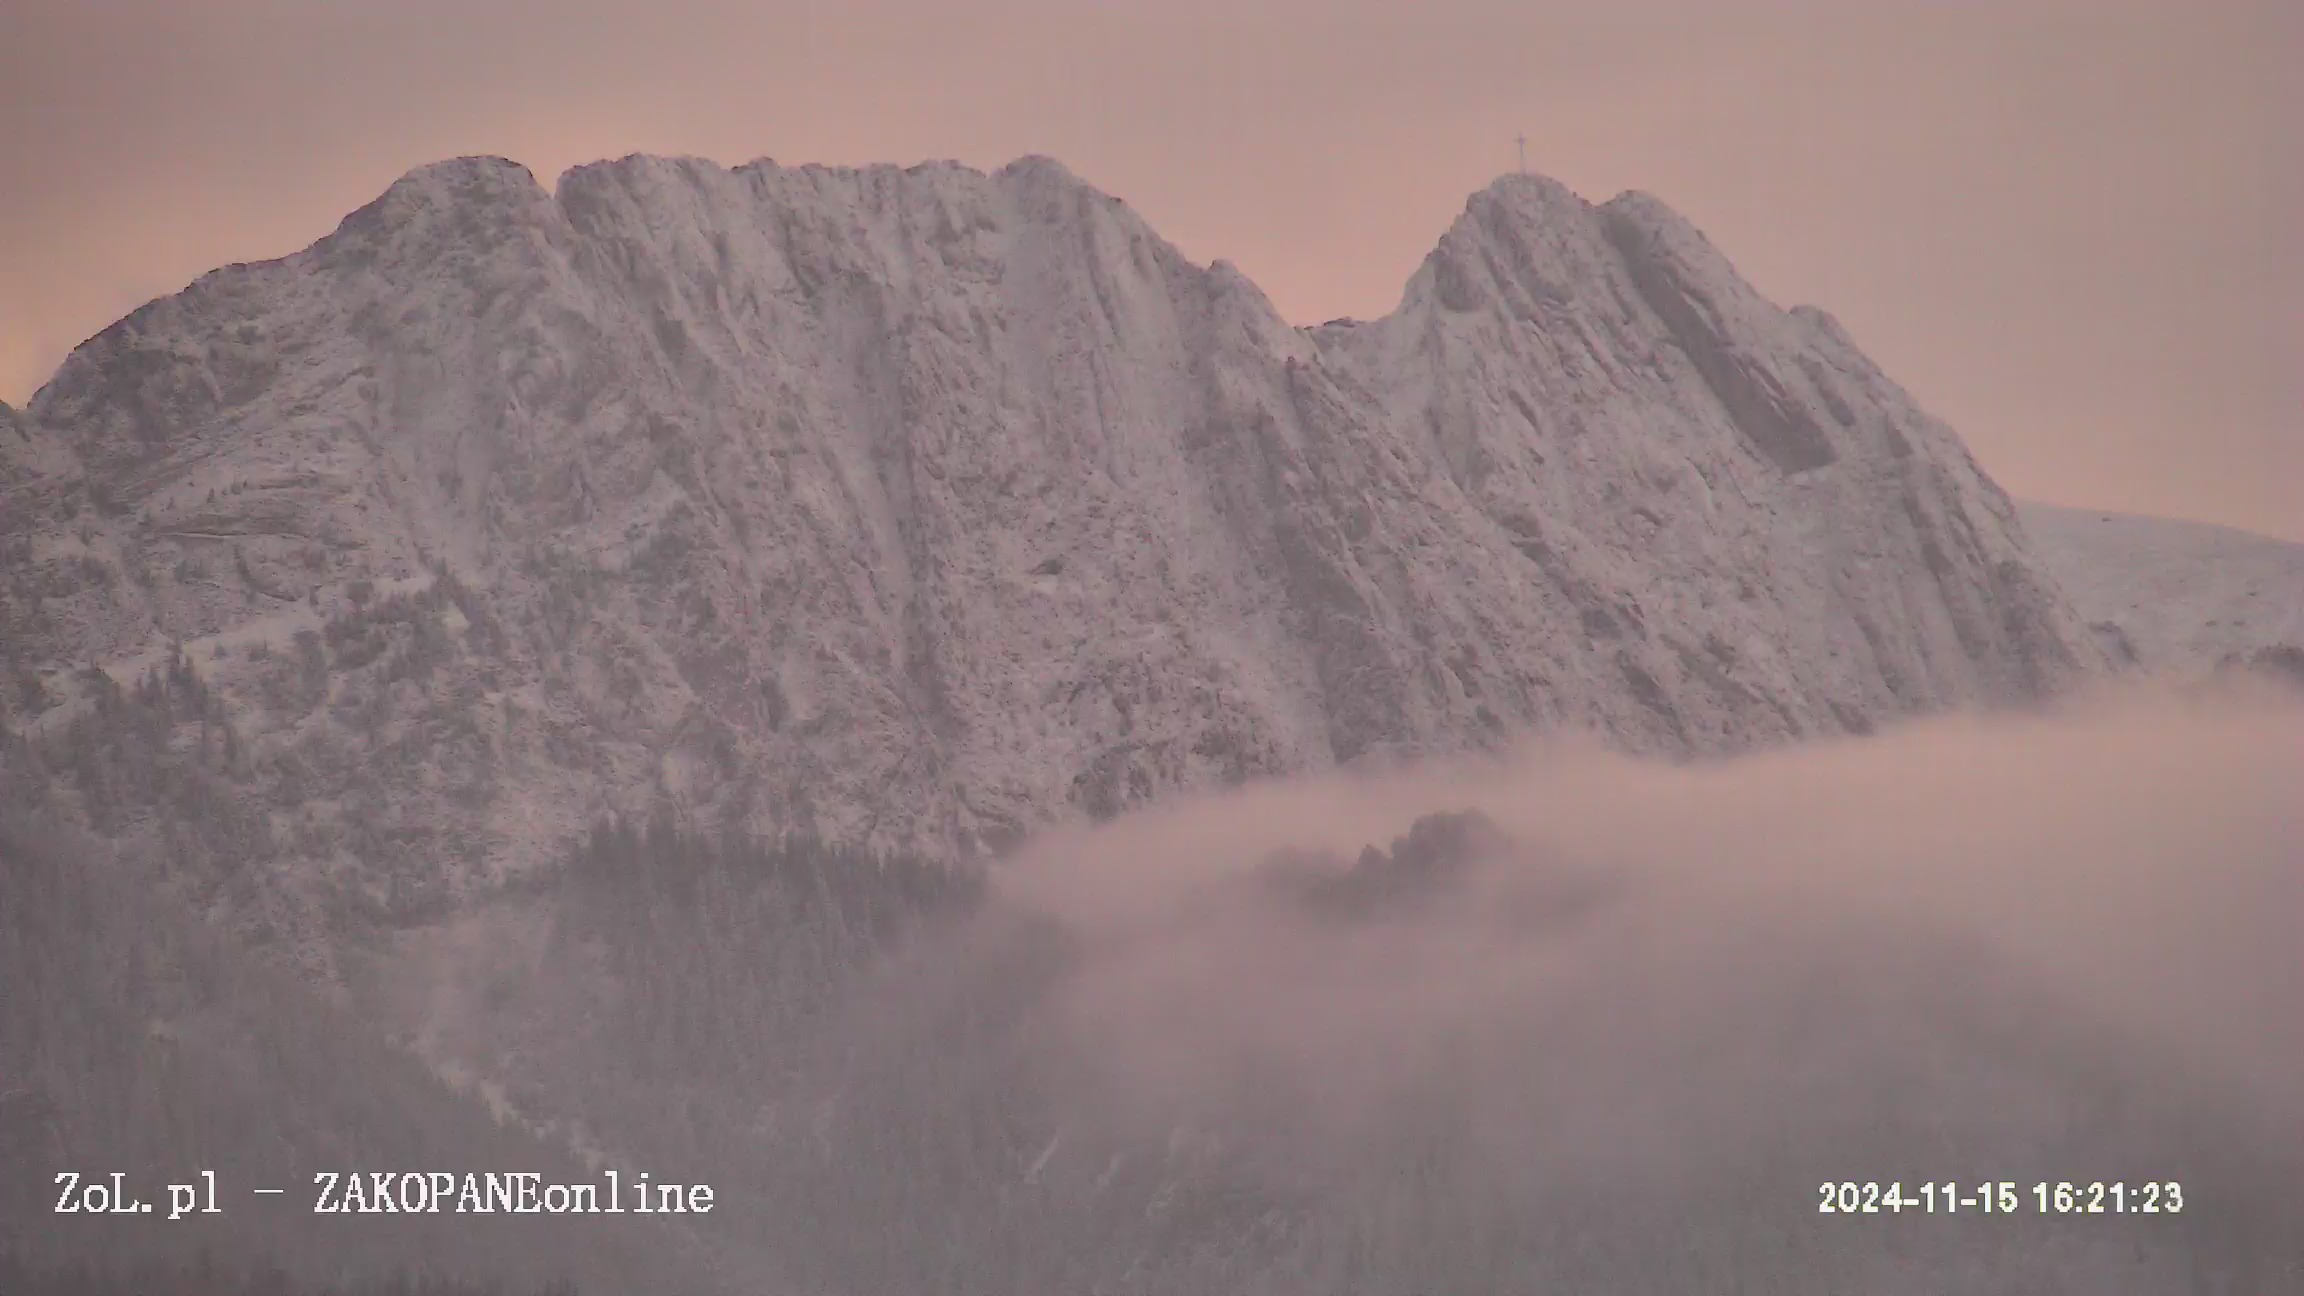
(2002, 1197)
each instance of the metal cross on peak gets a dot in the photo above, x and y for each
(1521, 141)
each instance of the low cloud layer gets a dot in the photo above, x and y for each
(1564, 1022)
(2057, 945)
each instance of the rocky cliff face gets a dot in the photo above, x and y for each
(922, 507)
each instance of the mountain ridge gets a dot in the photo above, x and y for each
(921, 507)
(2174, 594)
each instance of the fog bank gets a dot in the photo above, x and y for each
(2057, 945)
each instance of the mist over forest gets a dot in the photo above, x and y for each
(1568, 1021)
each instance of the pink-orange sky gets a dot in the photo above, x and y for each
(2070, 226)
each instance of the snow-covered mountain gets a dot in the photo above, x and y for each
(926, 506)
(2176, 595)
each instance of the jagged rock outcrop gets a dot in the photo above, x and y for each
(1756, 532)
(925, 506)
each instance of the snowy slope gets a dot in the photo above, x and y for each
(926, 506)
(2183, 596)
